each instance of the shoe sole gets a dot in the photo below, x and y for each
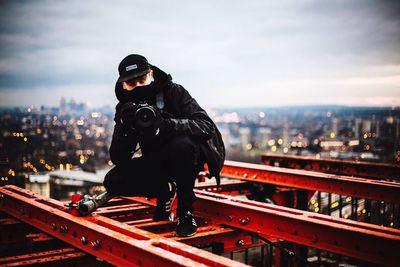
(192, 234)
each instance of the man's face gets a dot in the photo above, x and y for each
(130, 85)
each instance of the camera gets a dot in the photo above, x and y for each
(138, 116)
(89, 204)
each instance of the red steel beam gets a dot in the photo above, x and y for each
(344, 185)
(371, 170)
(208, 232)
(230, 239)
(41, 257)
(227, 187)
(113, 241)
(368, 242)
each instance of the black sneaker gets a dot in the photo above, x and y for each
(186, 225)
(164, 205)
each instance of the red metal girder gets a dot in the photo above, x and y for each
(359, 240)
(41, 257)
(230, 187)
(110, 240)
(352, 186)
(373, 170)
(38, 237)
(207, 233)
(9, 221)
(131, 211)
(232, 239)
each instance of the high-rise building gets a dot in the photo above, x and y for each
(244, 137)
(357, 129)
(335, 122)
(366, 126)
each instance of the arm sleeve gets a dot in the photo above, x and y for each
(193, 120)
(122, 143)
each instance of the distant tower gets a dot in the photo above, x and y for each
(378, 128)
(366, 126)
(63, 104)
(244, 136)
(225, 136)
(263, 136)
(357, 130)
(285, 135)
(335, 122)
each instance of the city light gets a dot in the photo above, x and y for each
(354, 143)
(363, 211)
(271, 142)
(81, 159)
(332, 135)
(335, 205)
(95, 115)
(249, 146)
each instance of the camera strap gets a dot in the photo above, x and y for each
(160, 105)
(160, 99)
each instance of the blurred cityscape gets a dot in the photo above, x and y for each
(57, 151)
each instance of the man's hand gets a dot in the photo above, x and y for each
(127, 116)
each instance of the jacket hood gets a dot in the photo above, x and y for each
(144, 93)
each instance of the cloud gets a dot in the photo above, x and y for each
(210, 47)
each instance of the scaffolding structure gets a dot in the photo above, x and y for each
(272, 226)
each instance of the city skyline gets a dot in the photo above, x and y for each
(227, 54)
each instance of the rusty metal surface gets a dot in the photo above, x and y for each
(360, 240)
(108, 239)
(352, 186)
(227, 187)
(56, 255)
(371, 170)
(123, 233)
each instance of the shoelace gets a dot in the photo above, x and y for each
(168, 204)
(187, 216)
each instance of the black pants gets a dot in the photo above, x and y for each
(178, 161)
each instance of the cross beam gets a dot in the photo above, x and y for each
(110, 240)
(368, 242)
(345, 185)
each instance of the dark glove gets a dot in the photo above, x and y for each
(127, 116)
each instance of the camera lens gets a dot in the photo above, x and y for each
(145, 117)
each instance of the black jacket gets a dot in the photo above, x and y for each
(188, 118)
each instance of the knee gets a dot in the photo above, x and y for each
(182, 146)
(109, 180)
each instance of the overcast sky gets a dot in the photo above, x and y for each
(226, 53)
